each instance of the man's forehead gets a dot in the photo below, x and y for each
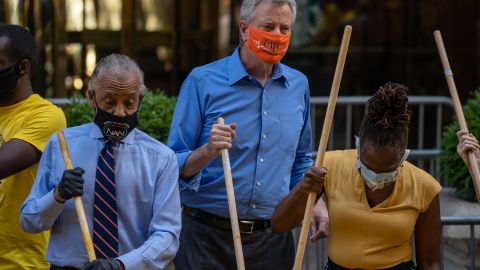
(267, 11)
(5, 56)
(3, 41)
(111, 77)
(3, 46)
(121, 82)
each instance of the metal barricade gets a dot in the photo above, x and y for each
(316, 254)
(459, 221)
(348, 114)
(425, 135)
(349, 111)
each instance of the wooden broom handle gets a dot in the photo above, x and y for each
(232, 207)
(323, 143)
(78, 201)
(458, 108)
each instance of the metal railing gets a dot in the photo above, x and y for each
(462, 221)
(316, 254)
(424, 144)
(349, 112)
(60, 101)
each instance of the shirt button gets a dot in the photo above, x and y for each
(264, 136)
(261, 160)
(254, 206)
(258, 183)
(264, 112)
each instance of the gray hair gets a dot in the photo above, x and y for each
(247, 11)
(118, 64)
(248, 8)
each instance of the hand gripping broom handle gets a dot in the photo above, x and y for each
(232, 207)
(78, 201)
(323, 143)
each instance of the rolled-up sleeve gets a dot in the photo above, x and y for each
(164, 230)
(186, 126)
(40, 209)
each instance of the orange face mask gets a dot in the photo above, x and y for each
(268, 47)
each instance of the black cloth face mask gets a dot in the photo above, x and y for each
(114, 128)
(8, 80)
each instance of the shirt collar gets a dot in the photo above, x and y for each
(236, 70)
(95, 133)
(278, 73)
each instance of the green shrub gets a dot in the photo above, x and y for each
(78, 112)
(452, 167)
(154, 116)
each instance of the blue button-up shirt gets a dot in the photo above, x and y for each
(148, 203)
(272, 150)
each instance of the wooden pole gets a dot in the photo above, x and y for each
(323, 143)
(474, 171)
(78, 201)
(232, 207)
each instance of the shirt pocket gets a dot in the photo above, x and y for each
(290, 129)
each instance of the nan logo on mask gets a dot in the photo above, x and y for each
(115, 131)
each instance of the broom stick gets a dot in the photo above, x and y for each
(323, 143)
(232, 207)
(78, 201)
(458, 108)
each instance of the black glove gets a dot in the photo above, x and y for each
(103, 264)
(71, 183)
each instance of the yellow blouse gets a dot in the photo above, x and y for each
(378, 237)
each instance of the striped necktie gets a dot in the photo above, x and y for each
(105, 229)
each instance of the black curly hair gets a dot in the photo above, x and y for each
(21, 44)
(385, 123)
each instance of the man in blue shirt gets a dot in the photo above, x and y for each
(127, 180)
(269, 142)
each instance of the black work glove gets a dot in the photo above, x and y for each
(103, 264)
(71, 183)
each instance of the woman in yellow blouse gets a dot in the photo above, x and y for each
(376, 200)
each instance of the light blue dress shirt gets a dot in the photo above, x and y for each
(149, 215)
(273, 148)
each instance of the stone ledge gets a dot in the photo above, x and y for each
(450, 205)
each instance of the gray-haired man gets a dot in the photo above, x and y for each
(266, 106)
(127, 180)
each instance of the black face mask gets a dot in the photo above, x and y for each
(8, 80)
(114, 128)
